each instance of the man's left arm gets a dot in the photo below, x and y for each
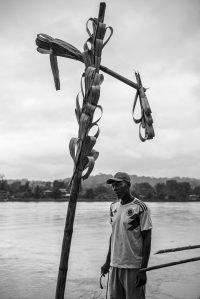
(146, 249)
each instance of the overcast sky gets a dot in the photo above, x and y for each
(160, 39)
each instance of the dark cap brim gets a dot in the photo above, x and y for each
(112, 180)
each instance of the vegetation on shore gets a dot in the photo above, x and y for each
(58, 190)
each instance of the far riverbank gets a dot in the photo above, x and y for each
(89, 200)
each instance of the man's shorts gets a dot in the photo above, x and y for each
(123, 284)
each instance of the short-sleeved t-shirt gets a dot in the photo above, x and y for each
(127, 222)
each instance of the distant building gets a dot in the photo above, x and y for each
(193, 197)
(64, 193)
(47, 193)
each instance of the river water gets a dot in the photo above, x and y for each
(31, 238)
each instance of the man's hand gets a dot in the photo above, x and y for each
(105, 268)
(141, 279)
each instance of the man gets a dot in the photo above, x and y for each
(130, 242)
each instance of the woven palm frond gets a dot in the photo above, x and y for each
(59, 47)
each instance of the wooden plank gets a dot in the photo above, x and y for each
(169, 264)
(178, 249)
(119, 77)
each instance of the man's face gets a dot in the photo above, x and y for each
(121, 189)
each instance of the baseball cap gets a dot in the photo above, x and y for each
(119, 177)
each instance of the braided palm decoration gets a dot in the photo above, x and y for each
(81, 148)
(92, 58)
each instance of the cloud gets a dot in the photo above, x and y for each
(160, 39)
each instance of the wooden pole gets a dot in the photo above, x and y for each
(68, 231)
(177, 249)
(169, 264)
(119, 77)
(74, 192)
(102, 9)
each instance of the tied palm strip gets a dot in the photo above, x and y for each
(146, 120)
(56, 47)
(81, 148)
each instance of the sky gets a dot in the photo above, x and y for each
(160, 39)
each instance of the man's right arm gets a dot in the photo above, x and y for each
(105, 268)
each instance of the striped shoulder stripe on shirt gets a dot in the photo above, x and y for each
(141, 204)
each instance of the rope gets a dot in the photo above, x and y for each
(101, 286)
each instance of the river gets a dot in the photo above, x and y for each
(31, 238)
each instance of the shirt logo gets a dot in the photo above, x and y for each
(129, 212)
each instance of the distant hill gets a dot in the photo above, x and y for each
(99, 179)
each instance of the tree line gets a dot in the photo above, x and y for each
(25, 190)
(59, 190)
(169, 191)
